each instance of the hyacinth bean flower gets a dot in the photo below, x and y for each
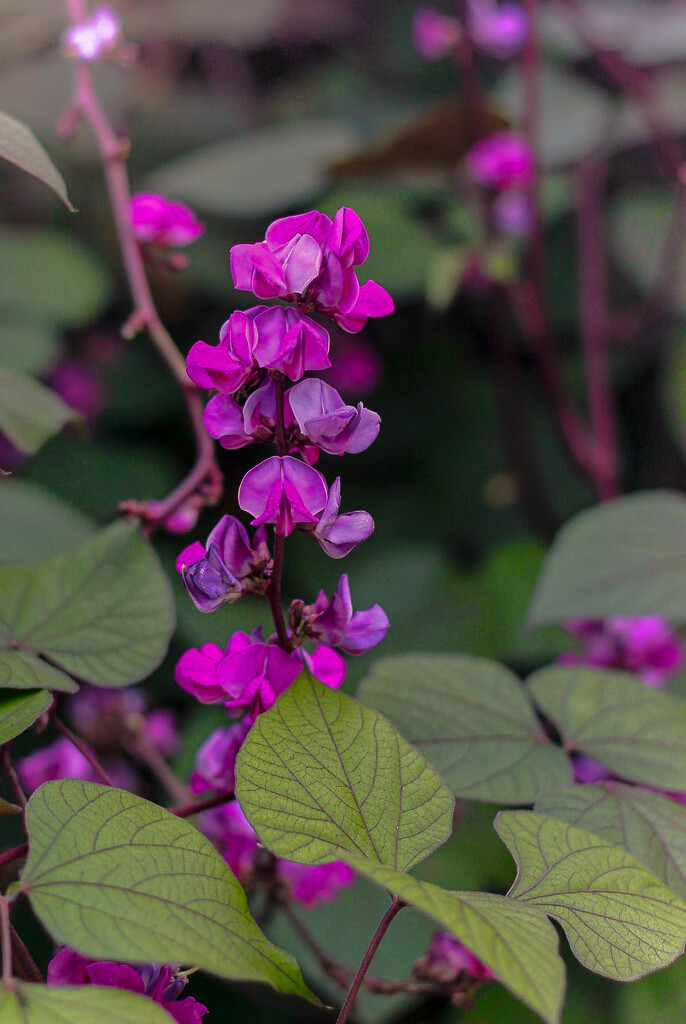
(338, 534)
(160, 984)
(61, 760)
(448, 961)
(435, 35)
(228, 827)
(159, 221)
(337, 625)
(215, 761)
(97, 37)
(644, 645)
(235, 426)
(215, 574)
(499, 29)
(196, 673)
(103, 716)
(282, 491)
(356, 368)
(502, 160)
(512, 213)
(325, 419)
(310, 259)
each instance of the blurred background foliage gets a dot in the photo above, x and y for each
(252, 110)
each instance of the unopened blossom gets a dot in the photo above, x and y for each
(499, 29)
(325, 419)
(161, 984)
(434, 34)
(646, 646)
(503, 160)
(447, 961)
(282, 491)
(216, 573)
(512, 213)
(337, 625)
(311, 260)
(97, 37)
(338, 534)
(162, 222)
(215, 761)
(237, 841)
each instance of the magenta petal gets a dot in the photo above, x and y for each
(315, 224)
(349, 238)
(255, 268)
(302, 264)
(223, 419)
(190, 555)
(186, 1011)
(68, 968)
(345, 533)
(258, 485)
(210, 367)
(196, 673)
(366, 629)
(112, 975)
(327, 665)
(307, 482)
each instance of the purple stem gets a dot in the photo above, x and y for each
(83, 748)
(14, 854)
(394, 908)
(223, 796)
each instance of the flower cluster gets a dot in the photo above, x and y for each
(261, 395)
(163, 223)
(448, 962)
(162, 985)
(94, 39)
(498, 29)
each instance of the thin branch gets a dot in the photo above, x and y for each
(9, 856)
(204, 479)
(24, 964)
(394, 909)
(6, 942)
(222, 796)
(82, 748)
(143, 750)
(13, 777)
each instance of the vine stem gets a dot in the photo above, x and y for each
(13, 777)
(24, 964)
(6, 937)
(146, 753)
(11, 855)
(394, 909)
(222, 796)
(113, 153)
(82, 748)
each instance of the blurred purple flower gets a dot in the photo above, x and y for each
(196, 673)
(283, 491)
(499, 29)
(644, 645)
(103, 717)
(309, 258)
(587, 770)
(501, 161)
(338, 626)
(338, 534)
(160, 984)
(356, 368)
(215, 761)
(319, 884)
(61, 760)
(77, 385)
(434, 34)
(159, 221)
(448, 961)
(94, 38)
(512, 213)
(325, 419)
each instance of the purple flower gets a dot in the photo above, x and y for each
(325, 419)
(434, 34)
(107, 718)
(448, 961)
(159, 221)
(588, 770)
(283, 491)
(512, 213)
(214, 575)
(97, 37)
(196, 673)
(338, 626)
(228, 365)
(160, 984)
(235, 426)
(253, 674)
(644, 645)
(310, 259)
(498, 29)
(289, 342)
(77, 385)
(215, 761)
(319, 884)
(501, 161)
(61, 760)
(355, 369)
(338, 535)
(325, 664)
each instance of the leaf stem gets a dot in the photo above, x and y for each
(82, 748)
(204, 477)
(12, 776)
(24, 964)
(222, 796)
(394, 908)
(6, 942)
(14, 854)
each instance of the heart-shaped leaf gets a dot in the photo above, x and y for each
(20, 711)
(103, 612)
(650, 826)
(639, 733)
(320, 776)
(44, 1004)
(625, 557)
(22, 671)
(472, 719)
(119, 878)
(29, 412)
(20, 146)
(620, 919)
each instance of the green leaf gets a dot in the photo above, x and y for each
(650, 826)
(35, 524)
(659, 999)
(20, 146)
(625, 557)
(521, 949)
(639, 733)
(22, 671)
(49, 278)
(20, 711)
(27, 347)
(103, 612)
(321, 776)
(473, 720)
(119, 878)
(43, 1004)
(639, 220)
(29, 412)
(619, 918)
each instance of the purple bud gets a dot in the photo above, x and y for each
(499, 29)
